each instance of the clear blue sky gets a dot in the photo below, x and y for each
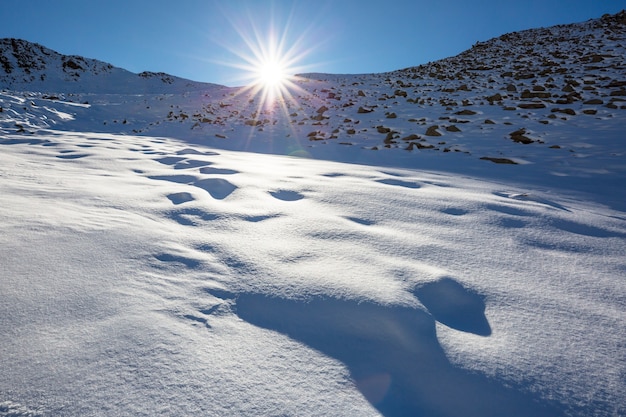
(195, 39)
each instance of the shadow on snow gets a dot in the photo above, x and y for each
(392, 352)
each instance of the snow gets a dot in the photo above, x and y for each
(155, 264)
(128, 275)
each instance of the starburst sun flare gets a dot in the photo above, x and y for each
(267, 59)
(271, 74)
(270, 68)
(268, 51)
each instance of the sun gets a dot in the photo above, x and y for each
(271, 68)
(272, 74)
(267, 56)
(267, 61)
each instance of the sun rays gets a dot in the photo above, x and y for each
(270, 67)
(268, 51)
(264, 49)
(272, 72)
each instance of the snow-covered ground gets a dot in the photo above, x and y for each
(199, 252)
(142, 276)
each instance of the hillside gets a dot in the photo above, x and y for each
(26, 66)
(521, 98)
(445, 240)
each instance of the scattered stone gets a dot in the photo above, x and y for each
(452, 128)
(519, 136)
(499, 160)
(412, 136)
(364, 110)
(571, 112)
(495, 97)
(418, 145)
(617, 84)
(322, 109)
(593, 101)
(535, 94)
(389, 139)
(466, 112)
(432, 131)
(524, 76)
(532, 105)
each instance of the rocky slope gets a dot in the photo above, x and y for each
(33, 67)
(519, 98)
(562, 65)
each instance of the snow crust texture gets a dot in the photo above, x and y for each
(139, 268)
(444, 240)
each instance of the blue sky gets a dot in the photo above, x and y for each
(203, 40)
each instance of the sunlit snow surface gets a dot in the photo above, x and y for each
(145, 276)
(389, 269)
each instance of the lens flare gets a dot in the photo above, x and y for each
(271, 74)
(271, 70)
(267, 49)
(270, 66)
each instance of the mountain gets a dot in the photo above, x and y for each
(441, 240)
(33, 67)
(553, 58)
(536, 97)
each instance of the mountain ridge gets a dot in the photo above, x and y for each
(19, 54)
(31, 66)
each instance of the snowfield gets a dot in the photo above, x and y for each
(142, 276)
(195, 252)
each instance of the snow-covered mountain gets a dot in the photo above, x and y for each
(536, 97)
(33, 67)
(449, 242)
